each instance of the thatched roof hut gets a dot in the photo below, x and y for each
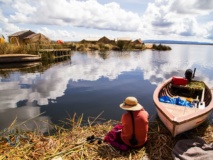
(37, 38)
(104, 40)
(137, 41)
(17, 38)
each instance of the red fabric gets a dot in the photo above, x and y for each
(114, 138)
(141, 127)
(179, 81)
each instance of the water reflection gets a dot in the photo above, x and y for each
(18, 66)
(92, 73)
(20, 95)
(24, 118)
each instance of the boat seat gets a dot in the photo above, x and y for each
(179, 111)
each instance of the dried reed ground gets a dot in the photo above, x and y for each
(71, 143)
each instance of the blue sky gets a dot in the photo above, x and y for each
(74, 20)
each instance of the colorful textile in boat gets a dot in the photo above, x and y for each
(114, 138)
(176, 101)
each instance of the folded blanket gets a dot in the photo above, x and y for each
(193, 149)
(113, 137)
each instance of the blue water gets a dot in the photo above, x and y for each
(95, 83)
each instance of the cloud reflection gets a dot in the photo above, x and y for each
(25, 118)
(156, 67)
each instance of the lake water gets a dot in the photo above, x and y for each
(96, 83)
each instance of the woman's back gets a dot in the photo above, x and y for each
(140, 127)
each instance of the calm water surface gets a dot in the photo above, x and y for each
(95, 83)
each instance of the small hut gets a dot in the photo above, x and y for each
(2, 38)
(104, 40)
(18, 37)
(36, 38)
(123, 40)
(137, 41)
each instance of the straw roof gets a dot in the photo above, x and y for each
(105, 40)
(18, 37)
(138, 41)
(20, 33)
(36, 38)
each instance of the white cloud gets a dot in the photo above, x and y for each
(23, 7)
(64, 34)
(75, 20)
(6, 27)
(209, 30)
(164, 19)
(89, 14)
(192, 7)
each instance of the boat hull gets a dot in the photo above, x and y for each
(177, 128)
(192, 117)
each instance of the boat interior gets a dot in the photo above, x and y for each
(179, 111)
(185, 93)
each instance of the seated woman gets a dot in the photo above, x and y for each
(132, 132)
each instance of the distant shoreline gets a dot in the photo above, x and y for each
(177, 42)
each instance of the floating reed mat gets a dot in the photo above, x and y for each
(71, 143)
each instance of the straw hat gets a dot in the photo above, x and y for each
(131, 104)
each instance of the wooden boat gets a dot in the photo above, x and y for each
(179, 119)
(9, 58)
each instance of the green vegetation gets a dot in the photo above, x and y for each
(70, 142)
(7, 48)
(161, 47)
(98, 46)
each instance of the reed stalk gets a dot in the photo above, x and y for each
(70, 143)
